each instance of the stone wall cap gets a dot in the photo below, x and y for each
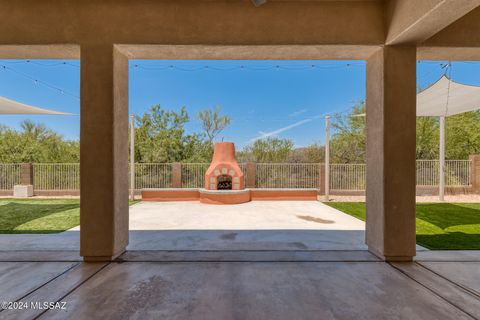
(202, 190)
(170, 189)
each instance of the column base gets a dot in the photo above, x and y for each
(390, 258)
(102, 258)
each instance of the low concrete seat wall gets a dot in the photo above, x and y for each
(179, 194)
(170, 194)
(284, 194)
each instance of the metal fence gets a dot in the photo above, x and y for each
(353, 176)
(193, 174)
(457, 173)
(287, 175)
(66, 176)
(10, 175)
(56, 176)
(153, 175)
(348, 176)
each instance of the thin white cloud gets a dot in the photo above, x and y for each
(298, 112)
(264, 135)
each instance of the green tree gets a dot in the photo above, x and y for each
(213, 122)
(314, 153)
(462, 135)
(269, 150)
(427, 138)
(348, 142)
(160, 136)
(36, 143)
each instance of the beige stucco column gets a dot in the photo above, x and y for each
(391, 109)
(104, 152)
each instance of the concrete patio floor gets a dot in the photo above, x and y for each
(260, 225)
(334, 285)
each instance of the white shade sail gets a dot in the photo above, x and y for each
(8, 106)
(447, 98)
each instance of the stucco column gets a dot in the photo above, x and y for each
(103, 153)
(391, 114)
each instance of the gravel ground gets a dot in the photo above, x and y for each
(465, 198)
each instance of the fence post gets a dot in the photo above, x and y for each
(321, 182)
(475, 172)
(26, 177)
(176, 175)
(251, 173)
(25, 189)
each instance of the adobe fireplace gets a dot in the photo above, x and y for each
(224, 180)
(224, 172)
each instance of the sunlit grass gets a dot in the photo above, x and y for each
(454, 226)
(39, 215)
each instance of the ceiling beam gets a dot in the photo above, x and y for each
(178, 22)
(249, 52)
(57, 51)
(448, 53)
(414, 21)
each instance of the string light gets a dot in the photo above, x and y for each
(245, 67)
(443, 65)
(37, 81)
(161, 67)
(209, 67)
(54, 64)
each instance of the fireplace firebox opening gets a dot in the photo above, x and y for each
(224, 182)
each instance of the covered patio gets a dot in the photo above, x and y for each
(388, 280)
(391, 51)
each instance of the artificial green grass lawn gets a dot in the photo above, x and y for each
(39, 215)
(447, 226)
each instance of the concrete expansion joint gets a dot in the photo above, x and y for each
(436, 293)
(461, 287)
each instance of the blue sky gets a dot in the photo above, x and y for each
(287, 99)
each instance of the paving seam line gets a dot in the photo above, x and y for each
(471, 291)
(75, 288)
(432, 291)
(44, 284)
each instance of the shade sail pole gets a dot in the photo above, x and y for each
(327, 157)
(441, 167)
(132, 157)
